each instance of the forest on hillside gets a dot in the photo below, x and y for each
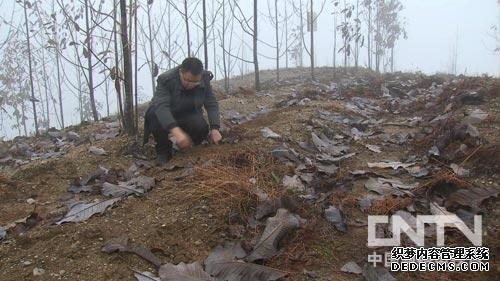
(98, 58)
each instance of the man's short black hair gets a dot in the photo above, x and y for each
(193, 65)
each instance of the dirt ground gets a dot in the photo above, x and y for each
(207, 202)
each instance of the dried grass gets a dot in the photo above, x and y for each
(389, 204)
(226, 181)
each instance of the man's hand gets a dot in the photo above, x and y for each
(215, 136)
(183, 140)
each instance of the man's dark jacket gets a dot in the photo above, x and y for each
(168, 90)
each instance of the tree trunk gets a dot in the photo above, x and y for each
(23, 117)
(242, 66)
(356, 41)
(127, 73)
(392, 59)
(106, 91)
(286, 37)
(33, 100)
(277, 41)
(215, 44)
(80, 96)
(205, 43)
(223, 44)
(169, 39)
(301, 47)
(186, 20)
(369, 36)
(152, 62)
(18, 122)
(334, 40)
(377, 36)
(45, 79)
(255, 57)
(95, 115)
(136, 54)
(117, 75)
(345, 39)
(312, 41)
(59, 83)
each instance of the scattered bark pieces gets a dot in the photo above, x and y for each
(269, 134)
(97, 151)
(3, 234)
(351, 267)
(374, 148)
(82, 211)
(472, 198)
(114, 190)
(385, 186)
(371, 273)
(389, 164)
(183, 272)
(121, 244)
(459, 171)
(224, 263)
(276, 228)
(145, 276)
(325, 145)
(417, 171)
(336, 217)
(293, 183)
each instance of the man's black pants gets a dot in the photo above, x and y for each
(192, 123)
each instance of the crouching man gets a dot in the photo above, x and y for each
(176, 108)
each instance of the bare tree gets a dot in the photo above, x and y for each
(136, 56)
(152, 65)
(453, 57)
(298, 49)
(15, 85)
(335, 14)
(347, 31)
(253, 32)
(388, 29)
(205, 42)
(33, 99)
(88, 53)
(311, 28)
(128, 118)
(275, 22)
(58, 63)
(357, 35)
(368, 4)
(255, 38)
(186, 20)
(115, 74)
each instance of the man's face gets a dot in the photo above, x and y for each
(188, 80)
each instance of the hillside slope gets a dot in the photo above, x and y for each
(361, 142)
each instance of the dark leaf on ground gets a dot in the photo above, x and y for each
(183, 272)
(335, 216)
(351, 267)
(224, 263)
(145, 276)
(473, 197)
(385, 186)
(82, 211)
(114, 190)
(276, 228)
(3, 234)
(371, 273)
(122, 245)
